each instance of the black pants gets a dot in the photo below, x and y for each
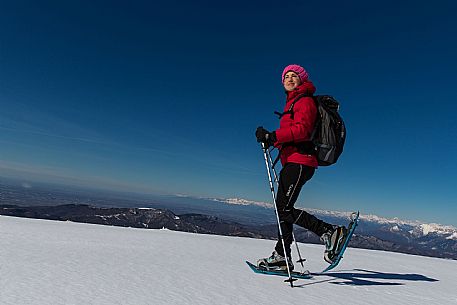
(291, 179)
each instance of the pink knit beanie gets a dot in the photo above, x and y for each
(301, 72)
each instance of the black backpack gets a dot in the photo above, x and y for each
(329, 132)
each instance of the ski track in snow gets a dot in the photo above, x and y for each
(50, 262)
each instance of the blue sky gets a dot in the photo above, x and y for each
(165, 96)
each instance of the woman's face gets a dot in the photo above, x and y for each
(291, 81)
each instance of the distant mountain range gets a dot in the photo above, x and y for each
(148, 218)
(232, 216)
(414, 228)
(372, 233)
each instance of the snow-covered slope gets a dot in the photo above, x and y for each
(49, 262)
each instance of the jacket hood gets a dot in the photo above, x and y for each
(306, 87)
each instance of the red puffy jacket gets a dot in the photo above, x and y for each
(299, 128)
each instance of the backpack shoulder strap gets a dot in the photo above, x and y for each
(316, 103)
(291, 108)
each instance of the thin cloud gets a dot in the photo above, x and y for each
(59, 175)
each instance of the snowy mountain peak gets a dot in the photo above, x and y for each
(439, 229)
(416, 227)
(453, 236)
(241, 201)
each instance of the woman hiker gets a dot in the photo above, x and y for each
(299, 163)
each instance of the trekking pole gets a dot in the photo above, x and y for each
(272, 188)
(300, 259)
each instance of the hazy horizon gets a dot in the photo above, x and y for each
(183, 203)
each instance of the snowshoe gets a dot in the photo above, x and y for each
(334, 240)
(275, 262)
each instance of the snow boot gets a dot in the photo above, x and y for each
(333, 240)
(275, 262)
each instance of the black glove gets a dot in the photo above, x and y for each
(264, 136)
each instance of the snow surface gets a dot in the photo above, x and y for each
(51, 262)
